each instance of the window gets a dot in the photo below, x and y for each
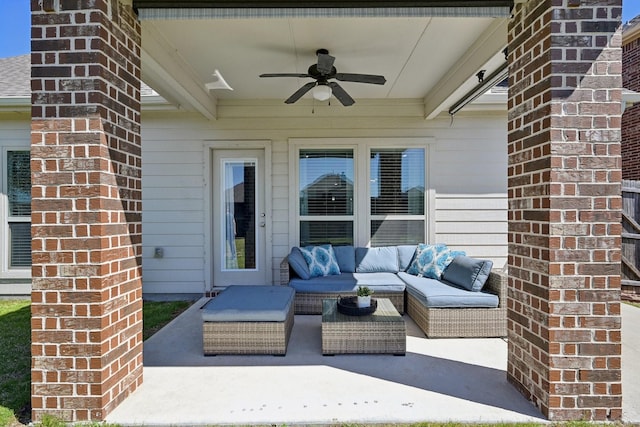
(397, 196)
(365, 194)
(326, 196)
(18, 209)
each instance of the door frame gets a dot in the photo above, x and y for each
(207, 197)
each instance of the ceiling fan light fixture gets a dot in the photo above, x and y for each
(321, 92)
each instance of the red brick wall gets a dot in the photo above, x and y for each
(86, 221)
(564, 207)
(631, 117)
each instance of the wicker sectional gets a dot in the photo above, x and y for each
(435, 322)
(464, 322)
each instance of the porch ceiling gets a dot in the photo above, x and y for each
(428, 57)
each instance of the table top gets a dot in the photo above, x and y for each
(386, 312)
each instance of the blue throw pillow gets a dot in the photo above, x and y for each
(468, 273)
(299, 264)
(377, 260)
(430, 260)
(321, 260)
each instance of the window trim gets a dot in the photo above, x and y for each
(7, 272)
(361, 151)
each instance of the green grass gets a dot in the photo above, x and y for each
(635, 304)
(155, 315)
(15, 354)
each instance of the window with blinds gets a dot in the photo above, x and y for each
(18, 181)
(397, 189)
(326, 186)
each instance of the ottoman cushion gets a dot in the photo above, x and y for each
(250, 304)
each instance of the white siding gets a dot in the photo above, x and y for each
(467, 170)
(15, 132)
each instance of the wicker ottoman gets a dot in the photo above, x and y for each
(248, 320)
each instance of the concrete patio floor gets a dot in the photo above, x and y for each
(460, 380)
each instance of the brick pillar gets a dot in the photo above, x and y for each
(86, 221)
(631, 117)
(564, 207)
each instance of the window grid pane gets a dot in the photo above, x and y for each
(397, 181)
(321, 232)
(19, 183)
(19, 244)
(326, 182)
(397, 232)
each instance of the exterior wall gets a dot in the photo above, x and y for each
(15, 132)
(631, 116)
(86, 247)
(468, 165)
(564, 207)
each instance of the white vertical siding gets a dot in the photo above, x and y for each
(468, 172)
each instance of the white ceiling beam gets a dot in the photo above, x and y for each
(170, 75)
(490, 42)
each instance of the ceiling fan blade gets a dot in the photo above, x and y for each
(325, 63)
(285, 75)
(340, 94)
(361, 78)
(298, 94)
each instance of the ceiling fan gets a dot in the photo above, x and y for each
(322, 72)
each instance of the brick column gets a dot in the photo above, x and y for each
(564, 207)
(86, 221)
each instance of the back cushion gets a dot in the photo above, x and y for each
(405, 256)
(377, 260)
(299, 264)
(346, 256)
(468, 273)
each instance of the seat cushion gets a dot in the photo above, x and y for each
(250, 304)
(343, 282)
(436, 294)
(349, 282)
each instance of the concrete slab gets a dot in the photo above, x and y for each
(460, 380)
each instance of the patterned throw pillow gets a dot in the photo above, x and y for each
(431, 260)
(321, 260)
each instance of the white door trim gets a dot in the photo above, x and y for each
(207, 197)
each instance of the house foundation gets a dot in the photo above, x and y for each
(86, 208)
(565, 207)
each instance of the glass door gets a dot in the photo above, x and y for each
(239, 218)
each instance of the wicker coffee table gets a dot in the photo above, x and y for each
(383, 331)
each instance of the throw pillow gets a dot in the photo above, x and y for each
(377, 260)
(298, 263)
(321, 260)
(430, 260)
(468, 273)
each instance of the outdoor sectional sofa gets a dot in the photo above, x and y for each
(467, 299)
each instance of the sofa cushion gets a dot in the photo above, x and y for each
(346, 256)
(321, 260)
(298, 263)
(468, 273)
(378, 282)
(405, 256)
(343, 282)
(349, 282)
(249, 304)
(376, 260)
(436, 294)
(430, 260)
